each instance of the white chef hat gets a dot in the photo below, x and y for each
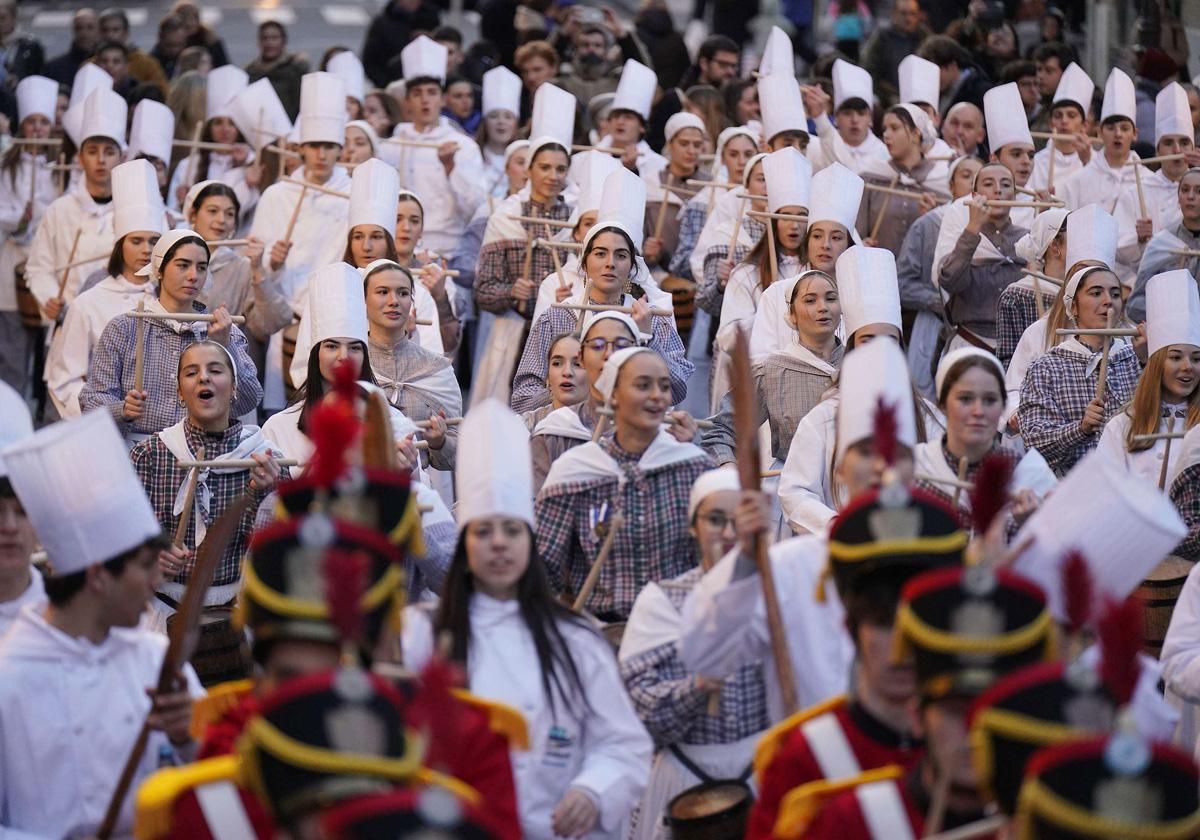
(781, 106)
(778, 55)
(374, 194)
(622, 206)
(424, 58)
(588, 171)
(37, 95)
(368, 131)
(87, 79)
(1075, 88)
(553, 120)
(259, 104)
(606, 382)
(789, 179)
(851, 82)
(1172, 113)
(166, 242)
(590, 319)
(501, 91)
(836, 194)
(222, 84)
(104, 115)
(712, 481)
(1046, 225)
(336, 308)
(922, 122)
(867, 288)
(152, 131)
(1091, 235)
(1120, 98)
(17, 425)
(137, 202)
(1122, 524)
(322, 109)
(346, 65)
(681, 120)
(1005, 117)
(635, 89)
(872, 372)
(81, 523)
(494, 468)
(1172, 310)
(920, 81)
(955, 356)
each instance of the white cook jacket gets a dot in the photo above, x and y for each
(14, 198)
(805, 492)
(70, 711)
(1148, 463)
(74, 211)
(606, 751)
(1098, 183)
(71, 351)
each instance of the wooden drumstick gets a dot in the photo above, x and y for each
(662, 211)
(589, 583)
(883, 208)
(771, 250)
(523, 305)
(1162, 473)
(1137, 178)
(1102, 381)
(287, 235)
(139, 353)
(195, 153)
(62, 281)
(562, 279)
(962, 478)
(189, 501)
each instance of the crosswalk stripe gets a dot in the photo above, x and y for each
(280, 14)
(53, 19)
(137, 16)
(210, 16)
(345, 15)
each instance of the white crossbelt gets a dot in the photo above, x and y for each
(830, 747)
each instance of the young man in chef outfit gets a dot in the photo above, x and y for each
(20, 582)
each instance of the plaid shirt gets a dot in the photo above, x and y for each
(1185, 493)
(788, 388)
(946, 494)
(709, 293)
(691, 222)
(653, 544)
(162, 477)
(503, 261)
(664, 692)
(1015, 311)
(1055, 393)
(110, 373)
(529, 384)
(546, 449)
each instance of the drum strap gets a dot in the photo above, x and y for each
(698, 772)
(224, 812)
(830, 747)
(883, 810)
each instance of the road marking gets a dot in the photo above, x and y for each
(138, 16)
(53, 19)
(345, 15)
(279, 14)
(210, 16)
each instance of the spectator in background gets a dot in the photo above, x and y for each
(172, 39)
(196, 34)
(1053, 31)
(852, 20)
(85, 37)
(999, 49)
(114, 28)
(390, 31)
(1154, 69)
(592, 70)
(1024, 73)
(281, 68)
(963, 130)
(113, 59)
(382, 112)
(536, 63)
(1193, 95)
(668, 53)
(21, 55)
(1050, 59)
(741, 101)
(458, 104)
(707, 103)
(717, 62)
(960, 79)
(452, 40)
(891, 42)
(194, 58)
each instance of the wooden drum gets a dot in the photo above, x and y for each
(613, 633)
(288, 339)
(27, 305)
(683, 301)
(221, 653)
(1159, 592)
(716, 810)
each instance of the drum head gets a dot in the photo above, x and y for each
(716, 810)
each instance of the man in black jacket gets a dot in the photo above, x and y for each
(85, 37)
(961, 79)
(390, 31)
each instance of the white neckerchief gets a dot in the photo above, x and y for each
(197, 328)
(563, 422)
(590, 463)
(1076, 347)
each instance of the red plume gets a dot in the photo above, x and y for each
(885, 431)
(345, 575)
(333, 427)
(990, 494)
(437, 710)
(1120, 634)
(1077, 588)
(345, 380)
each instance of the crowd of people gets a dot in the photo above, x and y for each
(347, 490)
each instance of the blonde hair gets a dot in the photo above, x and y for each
(1145, 409)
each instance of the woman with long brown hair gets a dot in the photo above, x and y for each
(220, 87)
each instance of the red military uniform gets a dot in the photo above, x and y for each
(837, 739)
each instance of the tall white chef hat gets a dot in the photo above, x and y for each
(780, 104)
(870, 373)
(920, 81)
(17, 425)
(104, 115)
(347, 66)
(322, 109)
(137, 202)
(836, 194)
(789, 179)
(501, 91)
(259, 105)
(37, 95)
(1120, 98)
(1091, 235)
(88, 78)
(1046, 225)
(152, 131)
(588, 170)
(635, 90)
(1172, 113)
(1122, 532)
(494, 468)
(622, 206)
(81, 523)
(1005, 117)
(778, 55)
(1172, 310)
(337, 306)
(851, 82)
(222, 84)
(1075, 88)
(374, 194)
(867, 288)
(553, 120)
(424, 58)
(712, 481)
